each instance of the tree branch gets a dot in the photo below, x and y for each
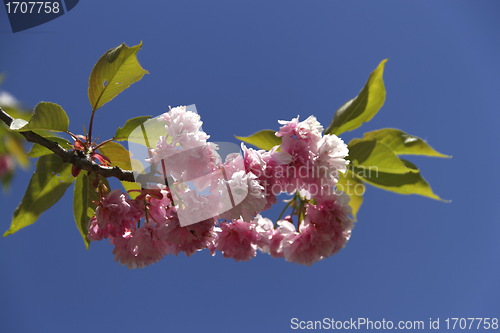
(79, 160)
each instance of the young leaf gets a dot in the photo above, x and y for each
(363, 107)
(265, 139)
(351, 185)
(118, 155)
(84, 202)
(114, 72)
(47, 185)
(39, 150)
(402, 143)
(375, 155)
(46, 116)
(408, 183)
(123, 133)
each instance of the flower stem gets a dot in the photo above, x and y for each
(284, 209)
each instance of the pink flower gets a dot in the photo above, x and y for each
(186, 164)
(264, 228)
(281, 236)
(183, 152)
(307, 247)
(95, 233)
(184, 128)
(263, 165)
(161, 210)
(331, 217)
(277, 178)
(116, 213)
(237, 240)
(140, 247)
(325, 230)
(246, 193)
(331, 160)
(194, 207)
(188, 239)
(308, 130)
(300, 140)
(316, 160)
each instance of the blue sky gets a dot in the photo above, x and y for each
(247, 64)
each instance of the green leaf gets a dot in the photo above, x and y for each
(351, 185)
(375, 155)
(47, 185)
(363, 107)
(46, 116)
(402, 143)
(39, 150)
(114, 72)
(15, 148)
(148, 133)
(128, 186)
(408, 183)
(84, 202)
(265, 139)
(118, 155)
(123, 133)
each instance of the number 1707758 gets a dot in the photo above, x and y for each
(33, 7)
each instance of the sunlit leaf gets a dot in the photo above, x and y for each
(351, 185)
(363, 107)
(39, 150)
(46, 116)
(375, 155)
(84, 201)
(408, 183)
(47, 185)
(123, 133)
(115, 71)
(118, 155)
(265, 139)
(402, 143)
(132, 187)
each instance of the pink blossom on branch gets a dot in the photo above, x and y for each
(139, 247)
(325, 230)
(115, 213)
(183, 216)
(237, 240)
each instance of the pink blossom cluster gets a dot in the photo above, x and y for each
(215, 204)
(145, 229)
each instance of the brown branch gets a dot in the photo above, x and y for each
(79, 160)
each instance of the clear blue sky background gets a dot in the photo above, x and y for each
(246, 64)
